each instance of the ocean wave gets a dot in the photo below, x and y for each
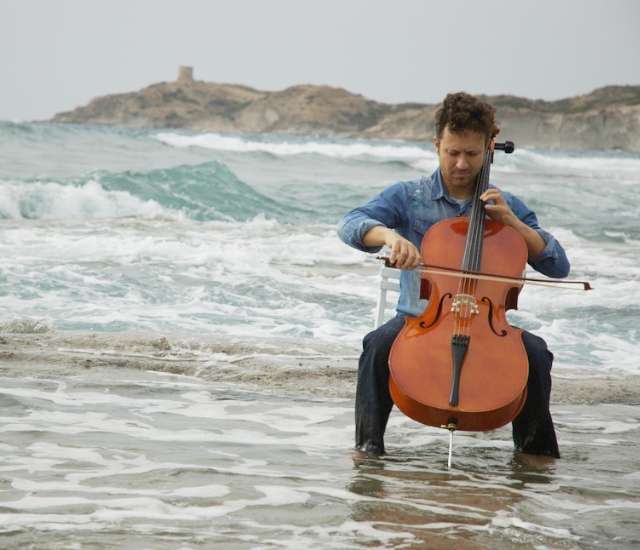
(205, 192)
(279, 146)
(618, 164)
(420, 156)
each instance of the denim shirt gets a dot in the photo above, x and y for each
(412, 207)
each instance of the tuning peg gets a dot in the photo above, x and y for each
(508, 146)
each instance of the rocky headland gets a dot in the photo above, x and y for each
(607, 118)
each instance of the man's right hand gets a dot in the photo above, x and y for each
(404, 254)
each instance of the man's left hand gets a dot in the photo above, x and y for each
(499, 210)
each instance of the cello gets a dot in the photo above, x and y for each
(460, 365)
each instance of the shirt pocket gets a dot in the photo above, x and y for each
(425, 213)
(422, 225)
(426, 217)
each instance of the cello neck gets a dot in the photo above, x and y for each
(473, 247)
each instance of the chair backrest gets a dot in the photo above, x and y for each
(389, 280)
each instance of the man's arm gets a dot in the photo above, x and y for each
(500, 212)
(546, 255)
(370, 227)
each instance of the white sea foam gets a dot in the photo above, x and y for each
(503, 521)
(579, 162)
(51, 200)
(214, 270)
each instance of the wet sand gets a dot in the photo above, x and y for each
(284, 365)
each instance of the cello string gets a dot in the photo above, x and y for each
(476, 223)
(473, 245)
(464, 287)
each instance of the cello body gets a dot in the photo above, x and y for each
(460, 363)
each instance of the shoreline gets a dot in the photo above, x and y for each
(287, 366)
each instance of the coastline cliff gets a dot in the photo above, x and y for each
(608, 118)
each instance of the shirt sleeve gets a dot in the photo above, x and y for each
(553, 261)
(382, 210)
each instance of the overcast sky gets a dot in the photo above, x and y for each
(58, 54)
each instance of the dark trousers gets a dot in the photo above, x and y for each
(533, 430)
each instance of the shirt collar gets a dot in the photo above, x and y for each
(437, 189)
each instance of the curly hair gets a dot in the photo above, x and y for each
(463, 112)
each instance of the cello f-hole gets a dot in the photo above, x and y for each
(503, 332)
(424, 325)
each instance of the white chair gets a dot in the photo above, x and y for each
(389, 280)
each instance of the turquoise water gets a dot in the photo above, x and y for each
(111, 229)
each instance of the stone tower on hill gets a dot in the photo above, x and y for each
(185, 74)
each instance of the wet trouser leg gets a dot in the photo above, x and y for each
(533, 430)
(373, 400)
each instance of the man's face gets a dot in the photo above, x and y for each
(461, 157)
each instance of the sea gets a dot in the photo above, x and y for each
(113, 232)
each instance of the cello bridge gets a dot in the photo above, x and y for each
(465, 301)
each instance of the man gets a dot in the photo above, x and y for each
(399, 217)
